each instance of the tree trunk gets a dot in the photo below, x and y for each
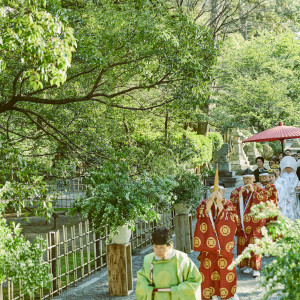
(203, 128)
(166, 125)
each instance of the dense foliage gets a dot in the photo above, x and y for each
(34, 45)
(260, 82)
(282, 240)
(21, 184)
(22, 260)
(114, 78)
(189, 190)
(115, 197)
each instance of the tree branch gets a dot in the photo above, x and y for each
(81, 99)
(27, 113)
(15, 82)
(69, 79)
(71, 143)
(135, 108)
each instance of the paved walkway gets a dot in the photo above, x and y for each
(96, 286)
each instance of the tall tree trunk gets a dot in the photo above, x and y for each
(203, 127)
(166, 125)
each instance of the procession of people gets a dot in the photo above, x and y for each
(221, 224)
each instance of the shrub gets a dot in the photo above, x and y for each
(217, 140)
(200, 148)
(282, 240)
(260, 149)
(22, 260)
(276, 146)
(189, 190)
(115, 198)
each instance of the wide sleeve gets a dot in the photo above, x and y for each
(190, 288)
(144, 289)
(272, 195)
(259, 195)
(226, 226)
(204, 236)
(234, 197)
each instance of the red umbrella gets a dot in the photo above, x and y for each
(279, 132)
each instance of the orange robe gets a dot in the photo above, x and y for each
(250, 228)
(216, 244)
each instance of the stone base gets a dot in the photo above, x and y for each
(227, 174)
(228, 181)
(239, 167)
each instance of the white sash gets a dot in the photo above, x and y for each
(213, 225)
(242, 210)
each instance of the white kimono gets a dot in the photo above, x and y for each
(282, 197)
(293, 203)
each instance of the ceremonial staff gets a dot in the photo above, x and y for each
(216, 182)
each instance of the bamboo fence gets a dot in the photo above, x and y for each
(76, 252)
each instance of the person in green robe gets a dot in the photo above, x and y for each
(167, 274)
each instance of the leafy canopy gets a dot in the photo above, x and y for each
(259, 82)
(34, 42)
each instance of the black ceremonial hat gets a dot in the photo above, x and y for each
(247, 172)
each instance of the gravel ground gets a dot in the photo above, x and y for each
(96, 286)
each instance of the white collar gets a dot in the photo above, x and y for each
(169, 255)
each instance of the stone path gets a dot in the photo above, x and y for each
(96, 286)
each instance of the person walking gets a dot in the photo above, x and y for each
(167, 273)
(288, 166)
(214, 237)
(249, 228)
(281, 191)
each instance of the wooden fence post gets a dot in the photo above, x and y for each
(119, 267)
(98, 252)
(53, 255)
(1, 291)
(184, 233)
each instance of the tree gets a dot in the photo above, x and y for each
(259, 82)
(244, 17)
(248, 19)
(131, 55)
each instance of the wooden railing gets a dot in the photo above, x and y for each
(76, 252)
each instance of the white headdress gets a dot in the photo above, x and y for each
(288, 161)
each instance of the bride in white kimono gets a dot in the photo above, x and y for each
(288, 166)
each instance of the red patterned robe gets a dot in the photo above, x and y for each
(271, 193)
(272, 197)
(250, 228)
(216, 244)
